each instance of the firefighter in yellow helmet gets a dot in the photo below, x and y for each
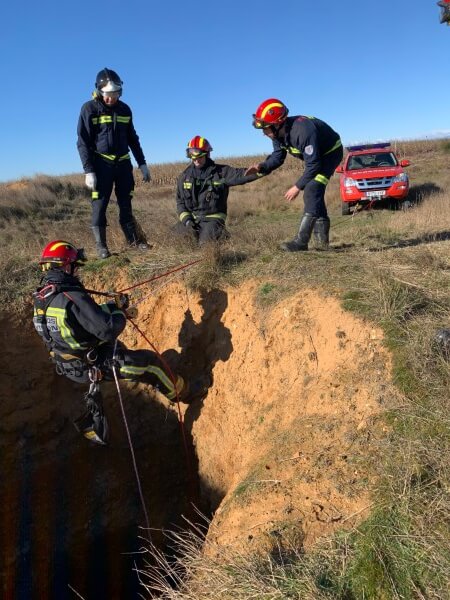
(202, 192)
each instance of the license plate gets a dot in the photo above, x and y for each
(375, 193)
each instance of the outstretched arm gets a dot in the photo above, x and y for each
(238, 176)
(272, 162)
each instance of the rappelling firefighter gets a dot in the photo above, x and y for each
(319, 146)
(81, 335)
(105, 136)
(202, 192)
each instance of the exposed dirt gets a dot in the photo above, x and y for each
(294, 395)
(292, 406)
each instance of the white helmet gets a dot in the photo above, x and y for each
(108, 81)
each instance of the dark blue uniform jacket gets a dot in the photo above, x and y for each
(106, 130)
(204, 192)
(306, 138)
(69, 320)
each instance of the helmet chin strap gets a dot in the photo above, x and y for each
(276, 129)
(70, 268)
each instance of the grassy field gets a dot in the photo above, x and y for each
(392, 267)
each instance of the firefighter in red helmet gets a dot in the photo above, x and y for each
(105, 136)
(81, 334)
(202, 192)
(319, 146)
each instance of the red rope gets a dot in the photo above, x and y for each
(159, 276)
(367, 207)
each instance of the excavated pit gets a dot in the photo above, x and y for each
(294, 395)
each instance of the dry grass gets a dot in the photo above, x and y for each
(390, 267)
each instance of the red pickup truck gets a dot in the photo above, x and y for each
(372, 173)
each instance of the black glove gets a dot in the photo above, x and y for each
(191, 224)
(131, 312)
(122, 301)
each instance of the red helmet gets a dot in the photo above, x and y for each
(62, 253)
(197, 147)
(270, 112)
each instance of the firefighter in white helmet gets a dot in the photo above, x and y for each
(105, 135)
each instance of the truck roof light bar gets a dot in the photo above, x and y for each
(368, 146)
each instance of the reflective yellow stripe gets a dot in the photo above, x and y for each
(337, 145)
(65, 356)
(59, 244)
(131, 370)
(113, 156)
(222, 216)
(109, 119)
(268, 107)
(179, 386)
(94, 195)
(187, 185)
(293, 150)
(321, 179)
(60, 315)
(185, 214)
(220, 182)
(102, 119)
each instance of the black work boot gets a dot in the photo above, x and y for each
(322, 233)
(100, 242)
(300, 242)
(131, 235)
(192, 390)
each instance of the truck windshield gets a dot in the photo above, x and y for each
(370, 161)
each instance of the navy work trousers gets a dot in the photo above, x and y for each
(117, 174)
(314, 192)
(206, 230)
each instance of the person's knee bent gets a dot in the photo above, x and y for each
(211, 230)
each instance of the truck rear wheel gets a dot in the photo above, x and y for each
(345, 208)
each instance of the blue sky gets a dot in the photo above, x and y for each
(373, 70)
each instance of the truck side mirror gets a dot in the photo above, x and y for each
(340, 169)
(405, 163)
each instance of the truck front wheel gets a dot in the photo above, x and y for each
(345, 208)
